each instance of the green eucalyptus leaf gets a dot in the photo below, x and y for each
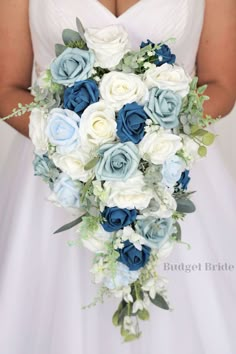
(131, 337)
(185, 206)
(69, 35)
(124, 332)
(115, 319)
(208, 139)
(122, 313)
(194, 128)
(200, 132)
(160, 302)
(85, 189)
(92, 163)
(69, 225)
(59, 49)
(202, 151)
(143, 315)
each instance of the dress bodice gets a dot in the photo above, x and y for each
(156, 20)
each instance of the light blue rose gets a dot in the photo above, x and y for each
(172, 170)
(67, 191)
(62, 129)
(164, 107)
(155, 231)
(118, 161)
(72, 65)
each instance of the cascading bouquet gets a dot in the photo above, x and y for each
(116, 132)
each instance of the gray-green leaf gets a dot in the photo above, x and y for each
(69, 225)
(80, 29)
(178, 234)
(160, 302)
(185, 206)
(59, 48)
(69, 35)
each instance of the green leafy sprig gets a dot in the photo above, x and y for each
(139, 61)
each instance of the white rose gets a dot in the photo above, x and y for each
(159, 145)
(168, 77)
(97, 125)
(73, 164)
(97, 242)
(37, 127)
(118, 88)
(109, 44)
(130, 194)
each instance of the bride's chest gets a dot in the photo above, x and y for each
(153, 19)
(156, 20)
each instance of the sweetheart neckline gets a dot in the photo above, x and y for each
(123, 13)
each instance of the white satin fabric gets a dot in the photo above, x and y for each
(44, 283)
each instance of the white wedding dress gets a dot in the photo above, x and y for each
(44, 283)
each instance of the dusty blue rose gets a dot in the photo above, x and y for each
(155, 231)
(163, 55)
(72, 65)
(164, 107)
(131, 122)
(67, 191)
(78, 97)
(172, 170)
(184, 180)
(133, 258)
(118, 161)
(116, 218)
(62, 129)
(45, 168)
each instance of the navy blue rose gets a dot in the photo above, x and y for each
(163, 55)
(117, 218)
(132, 257)
(81, 95)
(145, 44)
(184, 180)
(131, 122)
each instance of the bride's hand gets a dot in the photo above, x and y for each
(16, 60)
(216, 56)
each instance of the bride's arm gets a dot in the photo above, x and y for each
(16, 59)
(216, 64)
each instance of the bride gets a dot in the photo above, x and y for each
(43, 282)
